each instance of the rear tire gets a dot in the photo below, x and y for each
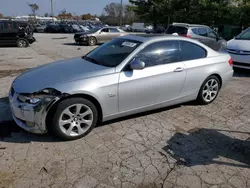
(209, 90)
(92, 41)
(74, 118)
(22, 43)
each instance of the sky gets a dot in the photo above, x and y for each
(78, 7)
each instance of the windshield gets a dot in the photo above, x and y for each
(245, 35)
(112, 53)
(93, 30)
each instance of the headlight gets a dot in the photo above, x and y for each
(32, 99)
(37, 97)
(83, 36)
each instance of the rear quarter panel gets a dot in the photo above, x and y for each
(199, 70)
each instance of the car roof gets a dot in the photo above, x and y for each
(188, 25)
(149, 37)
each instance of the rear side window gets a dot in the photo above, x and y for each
(177, 29)
(202, 32)
(113, 30)
(160, 53)
(191, 51)
(7, 26)
(106, 30)
(195, 31)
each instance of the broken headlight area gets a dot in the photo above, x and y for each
(35, 98)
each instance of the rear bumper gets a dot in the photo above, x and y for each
(227, 78)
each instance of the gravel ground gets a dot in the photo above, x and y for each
(181, 146)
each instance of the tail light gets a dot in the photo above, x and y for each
(188, 36)
(230, 61)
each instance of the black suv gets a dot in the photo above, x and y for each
(202, 33)
(13, 33)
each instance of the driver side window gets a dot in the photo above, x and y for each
(160, 53)
(105, 30)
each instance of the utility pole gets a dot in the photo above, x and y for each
(121, 13)
(51, 4)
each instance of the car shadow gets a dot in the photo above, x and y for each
(205, 146)
(241, 72)
(71, 44)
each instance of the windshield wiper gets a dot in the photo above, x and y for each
(91, 60)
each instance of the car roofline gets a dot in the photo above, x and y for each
(156, 38)
(189, 25)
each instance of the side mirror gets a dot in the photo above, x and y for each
(137, 64)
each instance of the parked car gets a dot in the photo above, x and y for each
(98, 35)
(52, 28)
(158, 30)
(201, 33)
(127, 28)
(239, 49)
(124, 76)
(65, 28)
(39, 28)
(15, 33)
(84, 28)
(139, 27)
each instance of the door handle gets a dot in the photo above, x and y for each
(179, 69)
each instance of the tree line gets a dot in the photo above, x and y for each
(209, 12)
(164, 12)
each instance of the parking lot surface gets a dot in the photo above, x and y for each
(181, 146)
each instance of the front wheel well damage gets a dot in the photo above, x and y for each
(52, 110)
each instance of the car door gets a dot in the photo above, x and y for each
(103, 35)
(160, 81)
(193, 56)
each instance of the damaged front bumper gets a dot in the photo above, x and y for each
(31, 117)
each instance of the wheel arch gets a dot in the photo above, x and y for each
(218, 76)
(85, 96)
(93, 36)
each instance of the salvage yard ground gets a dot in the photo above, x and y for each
(182, 146)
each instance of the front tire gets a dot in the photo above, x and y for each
(92, 41)
(22, 43)
(74, 118)
(209, 90)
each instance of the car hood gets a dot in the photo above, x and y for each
(85, 33)
(46, 76)
(239, 45)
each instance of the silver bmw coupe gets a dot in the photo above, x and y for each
(127, 75)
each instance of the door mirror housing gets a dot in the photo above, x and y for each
(137, 64)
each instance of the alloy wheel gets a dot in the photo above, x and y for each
(76, 119)
(210, 90)
(21, 43)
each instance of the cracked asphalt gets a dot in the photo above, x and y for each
(181, 146)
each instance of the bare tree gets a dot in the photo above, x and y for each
(34, 7)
